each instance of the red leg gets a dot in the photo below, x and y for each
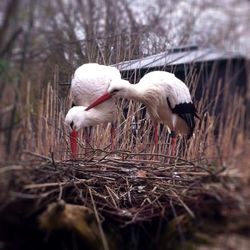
(173, 143)
(74, 144)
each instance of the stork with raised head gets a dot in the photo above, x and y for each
(89, 82)
(166, 97)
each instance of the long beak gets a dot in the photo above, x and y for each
(73, 142)
(98, 101)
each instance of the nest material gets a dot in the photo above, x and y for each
(124, 186)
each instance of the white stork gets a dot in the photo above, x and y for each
(89, 82)
(166, 97)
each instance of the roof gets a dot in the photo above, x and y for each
(176, 56)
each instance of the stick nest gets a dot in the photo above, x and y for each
(123, 186)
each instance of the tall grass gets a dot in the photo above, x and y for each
(218, 136)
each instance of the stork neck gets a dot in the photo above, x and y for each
(134, 93)
(88, 117)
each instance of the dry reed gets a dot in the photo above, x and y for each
(45, 133)
(137, 180)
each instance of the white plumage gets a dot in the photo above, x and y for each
(166, 97)
(163, 93)
(77, 117)
(89, 82)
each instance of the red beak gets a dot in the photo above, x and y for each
(73, 142)
(98, 101)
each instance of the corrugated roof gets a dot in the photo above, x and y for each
(175, 57)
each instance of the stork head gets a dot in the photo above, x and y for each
(116, 89)
(119, 89)
(74, 120)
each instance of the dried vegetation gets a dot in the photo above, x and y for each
(136, 183)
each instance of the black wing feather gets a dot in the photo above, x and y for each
(187, 112)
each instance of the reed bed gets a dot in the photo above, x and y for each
(41, 129)
(218, 135)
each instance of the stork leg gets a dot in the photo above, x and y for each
(113, 135)
(173, 142)
(74, 144)
(156, 140)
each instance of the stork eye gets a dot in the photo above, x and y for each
(114, 91)
(72, 125)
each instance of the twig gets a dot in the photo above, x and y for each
(52, 184)
(182, 238)
(11, 168)
(111, 194)
(38, 155)
(53, 160)
(183, 204)
(103, 237)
